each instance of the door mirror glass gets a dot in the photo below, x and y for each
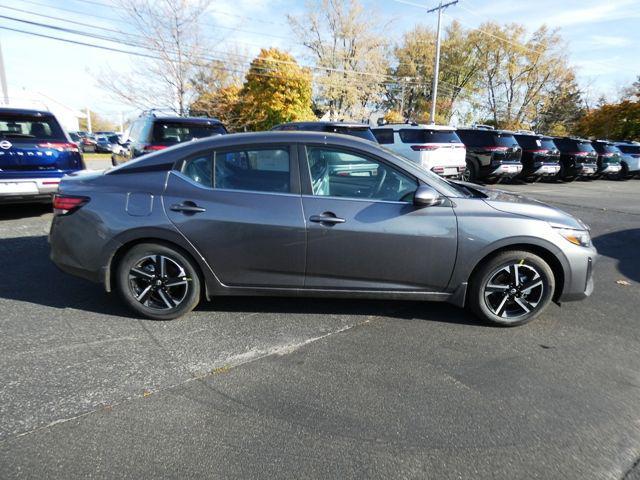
(425, 196)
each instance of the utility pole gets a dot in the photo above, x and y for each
(404, 83)
(3, 80)
(121, 122)
(89, 120)
(436, 67)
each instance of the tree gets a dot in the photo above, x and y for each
(169, 31)
(460, 67)
(520, 73)
(561, 109)
(349, 53)
(98, 123)
(222, 104)
(619, 121)
(276, 90)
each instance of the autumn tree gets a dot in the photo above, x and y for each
(169, 32)
(460, 66)
(620, 121)
(276, 90)
(520, 71)
(346, 45)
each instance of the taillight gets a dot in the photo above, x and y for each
(421, 148)
(538, 150)
(154, 148)
(438, 169)
(607, 155)
(63, 204)
(495, 149)
(578, 154)
(60, 146)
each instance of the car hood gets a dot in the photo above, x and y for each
(528, 207)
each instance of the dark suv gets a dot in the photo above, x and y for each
(360, 130)
(578, 158)
(540, 156)
(491, 154)
(609, 157)
(150, 133)
(35, 153)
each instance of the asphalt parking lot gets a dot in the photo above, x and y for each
(282, 388)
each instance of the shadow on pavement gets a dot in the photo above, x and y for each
(14, 212)
(622, 246)
(30, 276)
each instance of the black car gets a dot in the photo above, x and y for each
(150, 133)
(578, 158)
(359, 130)
(491, 154)
(609, 157)
(540, 156)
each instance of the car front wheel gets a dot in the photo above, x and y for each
(512, 288)
(158, 282)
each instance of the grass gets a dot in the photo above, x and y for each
(97, 156)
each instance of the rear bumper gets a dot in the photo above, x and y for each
(18, 190)
(546, 170)
(505, 170)
(610, 169)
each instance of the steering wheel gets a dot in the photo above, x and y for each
(382, 176)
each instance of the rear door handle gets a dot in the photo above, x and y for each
(187, 207)
(326, 218)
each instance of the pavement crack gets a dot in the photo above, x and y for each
(234, 361)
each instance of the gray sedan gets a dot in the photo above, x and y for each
(312, 214)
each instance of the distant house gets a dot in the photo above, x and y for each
(67, 116)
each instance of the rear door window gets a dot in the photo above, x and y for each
(419, 135)
(384, 136)
(264, 170)
(17, 128)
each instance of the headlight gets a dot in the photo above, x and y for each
(577, 237)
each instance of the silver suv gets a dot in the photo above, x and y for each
(283, 213)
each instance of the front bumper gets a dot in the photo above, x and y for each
(578, 282)
(17, 190)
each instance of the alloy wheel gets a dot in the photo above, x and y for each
(513, 291)
(158, 282)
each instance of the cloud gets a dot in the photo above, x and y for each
(607, 41)
(596, 13)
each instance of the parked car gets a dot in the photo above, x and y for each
(104, 133)
(75, 138)
(263, 214)
(88, 143)
(35, 152)
(435, 147)
(578, 158)
(630, 158)
(608, 160)
(359, 130)
(150, 133)
(491, 155)
(107, 144)
(540, 156)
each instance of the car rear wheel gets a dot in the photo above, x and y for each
(158, 282)
(512, 288)
(470, 173)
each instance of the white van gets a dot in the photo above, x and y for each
(436, 147)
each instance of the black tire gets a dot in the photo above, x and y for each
(178, 283)
(623, 174)
(508, 309)
(470, 173)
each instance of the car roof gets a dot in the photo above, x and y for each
(25, 111)
(185, 149)
(485, 130)
(326, 123)
(418, 126)
(176, 119)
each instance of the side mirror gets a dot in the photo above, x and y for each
(425, 196)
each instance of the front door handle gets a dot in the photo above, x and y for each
(187, 207)
(326, 217)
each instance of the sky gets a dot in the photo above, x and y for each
(602, 38)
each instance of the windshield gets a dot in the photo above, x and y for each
(446, 187)
(170, 133)
(27, 128)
